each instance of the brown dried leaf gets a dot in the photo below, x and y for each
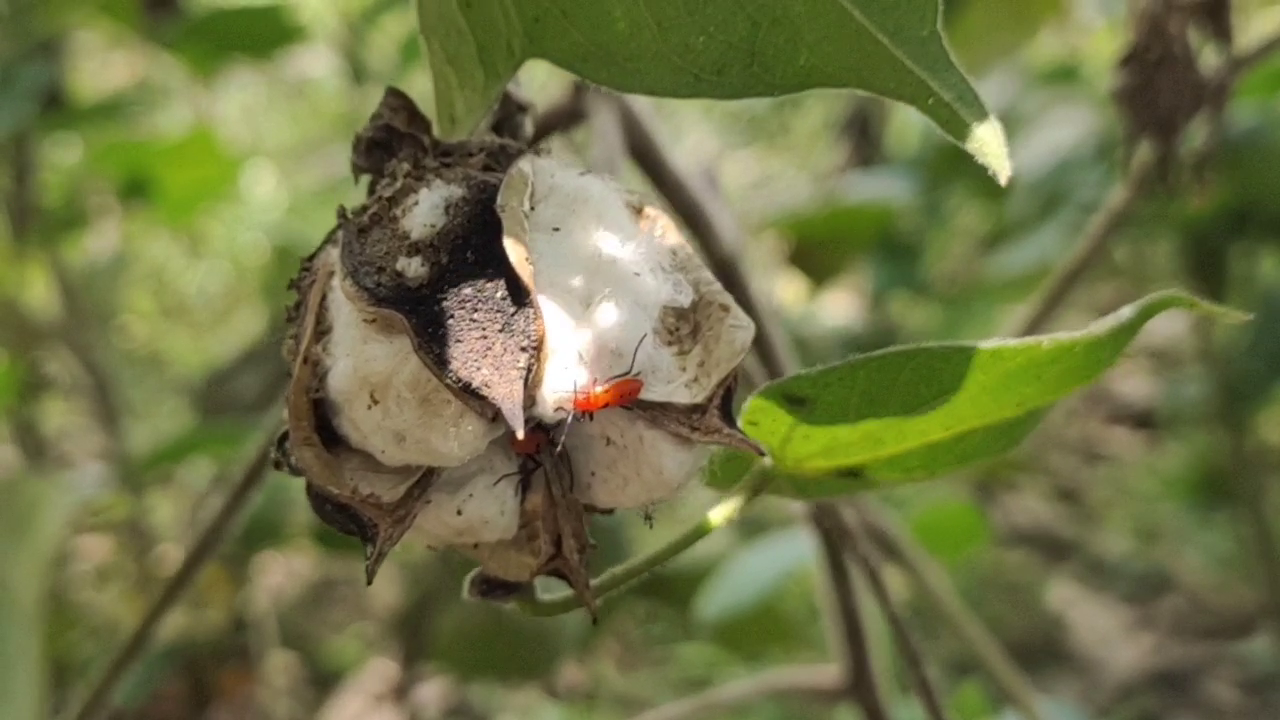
(512, 119)
(378, 524)
(552, 540)
(397, 130)
(1160, 86)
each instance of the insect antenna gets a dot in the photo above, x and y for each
(630, 368)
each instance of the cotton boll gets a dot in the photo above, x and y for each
(469, 504)
(386, 402)
(622, 462)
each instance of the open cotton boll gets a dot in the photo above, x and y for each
(620, 462)
(386, 402)
(469, 504)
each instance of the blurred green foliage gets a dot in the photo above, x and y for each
(165, 164)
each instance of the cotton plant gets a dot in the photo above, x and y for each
(495, 344)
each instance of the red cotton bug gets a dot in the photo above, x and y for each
(621, 390)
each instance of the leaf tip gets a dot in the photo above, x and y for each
(1219, 312)
(988, 145)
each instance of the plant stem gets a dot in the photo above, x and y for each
(820, 682)
(860, 676)
(934, 581)
(857, 546)
(566, 114)
(619, 577)
(1102, 225)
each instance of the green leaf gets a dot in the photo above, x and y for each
(983, 32)
(862, 213)
(268, 523)
(221, 441)
(950, 530)
(178, 176)
(913, 412)
(752, 575)
(33, 519)
(713, 49)
(209, 40)
(1254, 369)
(485, 641)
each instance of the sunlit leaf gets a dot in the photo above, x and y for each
(913, 412)
(713, 49)
(208, 40)
(970, 700)
(752, 575)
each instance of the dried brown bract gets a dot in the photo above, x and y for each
(1160, 86)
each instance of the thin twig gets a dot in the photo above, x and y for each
(607, 153)
(21, 201)
(936, 584)
(563, 116)
(1093, 243)
(858, 547)
(860, 673)
(819, 682)
(1248, 59)
(77, 335)
(1120, 201)
(201, 552)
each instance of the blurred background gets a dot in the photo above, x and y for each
(166, 163)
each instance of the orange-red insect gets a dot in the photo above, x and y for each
(621, 390)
